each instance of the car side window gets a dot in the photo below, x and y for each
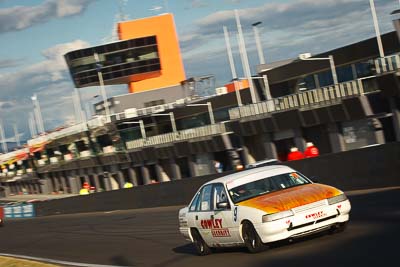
(205, 198)
(219, 195)
(195, 202)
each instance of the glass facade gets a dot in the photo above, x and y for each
(307, 83)
(345, 73)
(116, 60)
(325, 78)
(357, 134)
(364, 69)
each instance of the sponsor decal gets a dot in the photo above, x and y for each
(216, 227)
(211, 223)
(316, 215)
(224, 232)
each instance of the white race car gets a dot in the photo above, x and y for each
(258, 206)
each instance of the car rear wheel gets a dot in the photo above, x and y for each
(201, 247)
(251, 239)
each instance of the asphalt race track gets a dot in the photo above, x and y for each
(150, 237)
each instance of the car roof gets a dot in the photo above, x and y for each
(269, 170)
(261, 162)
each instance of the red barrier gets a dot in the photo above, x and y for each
(1, 216)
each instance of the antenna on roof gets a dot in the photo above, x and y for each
(120, 16)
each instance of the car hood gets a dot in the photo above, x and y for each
(290, 198)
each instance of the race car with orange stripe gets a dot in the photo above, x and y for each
(258, 206)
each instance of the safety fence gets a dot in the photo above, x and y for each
(208, 130)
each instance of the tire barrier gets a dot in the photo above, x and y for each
(370, 167)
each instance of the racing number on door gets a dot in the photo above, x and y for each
(235, 214)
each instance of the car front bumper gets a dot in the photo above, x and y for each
(304, 222)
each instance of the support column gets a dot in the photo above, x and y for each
(379, 134)
(162, 176)
(247, 157)
(107, 182)
(395, 118)
(56, 183)
(175, 170)
(269, 147)
(336, 138)
(37, 188)
(74, 185)
(120, 179)
(145, 174)
(132, 177)
(46, 185)
(96, 182)
(192, 165)
(64, 184)
(30, 188)
(299, 141)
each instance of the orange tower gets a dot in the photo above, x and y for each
(163, 27)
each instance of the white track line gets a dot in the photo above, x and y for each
(68, 263)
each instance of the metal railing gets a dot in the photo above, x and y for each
(207, 130)
(303, 100)
(387, 64)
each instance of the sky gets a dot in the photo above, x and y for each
(35, 35)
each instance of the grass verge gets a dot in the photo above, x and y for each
(13, 262)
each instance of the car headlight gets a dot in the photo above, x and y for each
(337, 199)
(277, 216)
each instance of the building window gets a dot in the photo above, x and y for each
(344, 73)
(325, 78)
(154, 103)
(357, 134)
(307, 83)
(364, 69)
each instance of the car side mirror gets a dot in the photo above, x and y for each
(222, 205)
(314, 179)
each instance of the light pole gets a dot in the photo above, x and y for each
(243, 53)
(210, 111)
(3, 139)
(376, 26)
(16, 134)
(38, 114)
(261, 58)
(102, 89)
(332, 64)
(232, 64)
(172, 118)
(142, 129)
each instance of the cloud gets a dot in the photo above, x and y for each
(49, 79)
(21, 17)
(10, 63)
(287, 29)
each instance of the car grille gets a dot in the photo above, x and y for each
(291, 227)
(309, 206)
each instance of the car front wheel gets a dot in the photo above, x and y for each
(251, 238)
(201, 247)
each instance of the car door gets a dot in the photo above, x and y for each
(204, 216)
(226, 230)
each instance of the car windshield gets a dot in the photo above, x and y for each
(267, 185)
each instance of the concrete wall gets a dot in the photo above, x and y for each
(370, 167)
